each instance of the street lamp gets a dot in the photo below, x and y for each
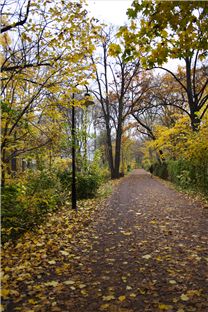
(87, 103)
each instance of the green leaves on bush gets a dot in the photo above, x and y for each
(25, 203)
(87, 185)
(160, 170)
(187, 175)
(184, 174)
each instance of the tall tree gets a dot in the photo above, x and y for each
(114, 77)
(175, 30)
(41, 56)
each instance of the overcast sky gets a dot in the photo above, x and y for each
(109, 11)
(114, 12)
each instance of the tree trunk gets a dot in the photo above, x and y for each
(118, 150)
(193, 105)
(195, 120)
(110, 151)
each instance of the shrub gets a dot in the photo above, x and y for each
(160, 170)
(184, 174)
(187, 152)
(14, 215)
(188, 175)
(25, 203)
(88, 179)
(87, 184)
(65, 178)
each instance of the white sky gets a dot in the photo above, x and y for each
(114, 12)
(109, 11)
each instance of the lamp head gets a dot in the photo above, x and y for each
(88, 101)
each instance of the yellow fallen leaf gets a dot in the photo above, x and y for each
(31, 301)
(5, 293)
(104, 306)
(82, 286)
(184, 297)
(132, 295)
(19, 246)
(4, 277)
(122, 298)
(165, 307)
(72, 288)
(127, 233)
(52, 262)
(14, 293)
(153, 222)
(108, 298)
(142, 292)
(173, 282)
(51, 283)
(128, 287)
(193, 292)
(146, 257)
(70, 282)
(64, 253)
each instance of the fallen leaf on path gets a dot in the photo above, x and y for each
(104, 306)
(69, 282)
(142, 292)
(146, 257)
(51, 283)
(52, 262)
(165, 307)
(126, 233)
(108, 298)
(64, 253)
(193, 292)
(184, 297)
(122, 298)
(5, 293)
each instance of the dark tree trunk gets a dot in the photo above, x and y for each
(118, 150)
(195, 120)
(192, 99)
(110, 151)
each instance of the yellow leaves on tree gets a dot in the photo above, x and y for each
(181, 142)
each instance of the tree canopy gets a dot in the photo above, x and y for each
(163, 30)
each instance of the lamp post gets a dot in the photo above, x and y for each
(88, 102)
(73, 132)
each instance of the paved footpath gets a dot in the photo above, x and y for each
(146, 251)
